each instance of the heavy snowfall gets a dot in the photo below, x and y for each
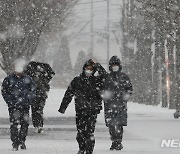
(60, 36)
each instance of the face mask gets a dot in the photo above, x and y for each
(115, 68)
(88, 73)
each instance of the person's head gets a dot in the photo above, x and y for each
(88, 68)
(115, 64)
(19, 65)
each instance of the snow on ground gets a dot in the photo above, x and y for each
(147, 126)
(55, 98)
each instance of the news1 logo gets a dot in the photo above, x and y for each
(171, 143)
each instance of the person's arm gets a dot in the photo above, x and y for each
(5, 90)
(97, 66)
(128, 89)
(100, 69)
(67, 97)
(102, 76)
(32, 91)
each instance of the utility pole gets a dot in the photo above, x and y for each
(92, 28)
(108, 34)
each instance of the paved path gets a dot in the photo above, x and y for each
(142, 136)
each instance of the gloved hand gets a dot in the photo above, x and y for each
(126, 96)
(61, 110)
(92, 61)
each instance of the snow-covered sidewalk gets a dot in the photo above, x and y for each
(147, 126)
(55, 98)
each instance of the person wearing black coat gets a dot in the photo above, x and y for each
(86, 91)
(115, 93)
(18, 91)
(41, 73)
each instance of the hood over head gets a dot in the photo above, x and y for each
(114, 60)
(89, 63)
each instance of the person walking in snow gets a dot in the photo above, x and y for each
(116, 92)
(41, 73)
(18, 93)
(86, 90)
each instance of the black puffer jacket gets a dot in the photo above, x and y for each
(116, 87)
(86, 92)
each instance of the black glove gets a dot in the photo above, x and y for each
(126, 96)
(61, 110)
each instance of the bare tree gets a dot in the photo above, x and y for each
(162, 18)
(23, 22)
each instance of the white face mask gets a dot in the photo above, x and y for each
(88, 73)
(115, 68)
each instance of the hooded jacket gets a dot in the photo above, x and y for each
(86, 91)
(116, 86)
(18, 92)
(41, 74)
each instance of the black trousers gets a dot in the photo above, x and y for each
(37, 112)
(18, 116)
(116, 133)
(85, 124)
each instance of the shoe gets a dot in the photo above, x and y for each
(113, 146)
(40, 130)
(23, 146)
(15, 147)
(80, 152)
(36, 130)
(116, 145)
(88, 152)
(119, 147)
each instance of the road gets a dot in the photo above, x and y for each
(143, 135)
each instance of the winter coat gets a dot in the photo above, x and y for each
(18, 92)
(86, 92)
(116, 87)
(41, 73)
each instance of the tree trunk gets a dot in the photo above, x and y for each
(172, 80)
(178, 67)
(159, 45)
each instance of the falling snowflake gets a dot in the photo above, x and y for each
(106, 95)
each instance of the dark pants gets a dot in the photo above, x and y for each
(85, 124)
(18, 116)
(37, 112)
(116, 133)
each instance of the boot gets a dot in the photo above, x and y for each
(15, 147)
(40, 130)
(80, 152)
(89, 152)
(113, 145)
(23, 146)
(119, 146)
